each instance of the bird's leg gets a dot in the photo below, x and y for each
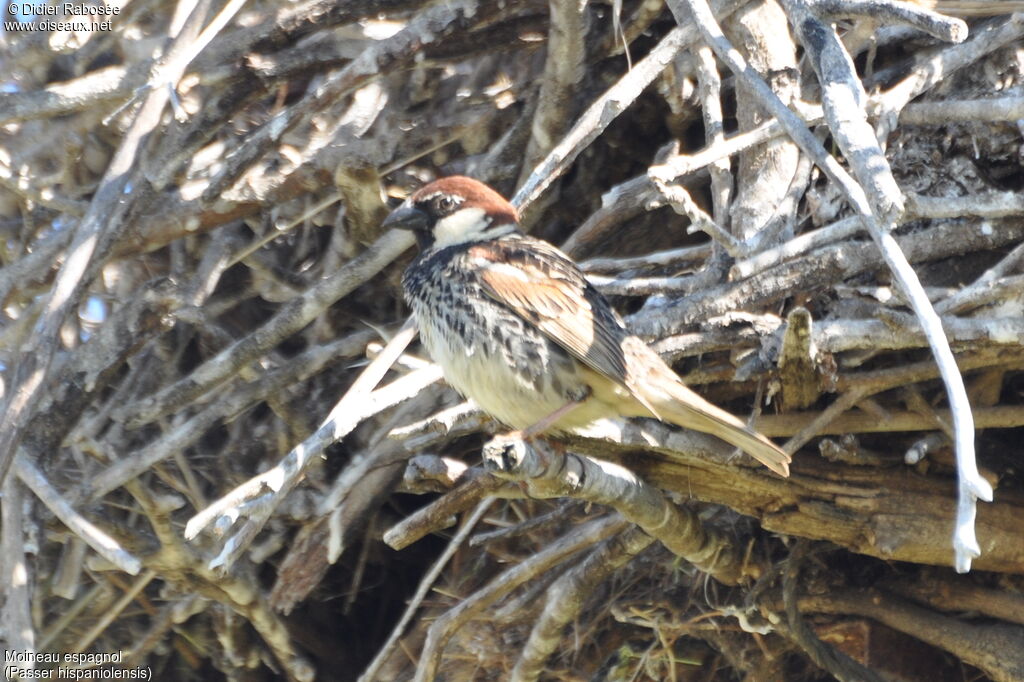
(550, 420)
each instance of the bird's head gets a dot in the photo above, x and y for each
(454, 210)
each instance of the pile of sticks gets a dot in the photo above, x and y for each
(216, 432)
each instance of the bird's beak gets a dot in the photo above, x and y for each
(406, 217)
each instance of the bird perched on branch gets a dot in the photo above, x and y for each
(516, 327)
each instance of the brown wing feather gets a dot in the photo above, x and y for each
(547, 289)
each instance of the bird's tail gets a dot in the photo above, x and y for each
(670, 400)
(691, 411)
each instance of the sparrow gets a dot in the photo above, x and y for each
(516, 327)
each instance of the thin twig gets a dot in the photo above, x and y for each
(428, 580)
(564, 600)
(292, 317)
(96, 232)
(260, 495)
(501, 585)
(606, 109)
(972, 485)
(15, 572)
(106, 546)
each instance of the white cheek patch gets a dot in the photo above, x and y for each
(463, 225)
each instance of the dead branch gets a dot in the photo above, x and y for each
(549, 473)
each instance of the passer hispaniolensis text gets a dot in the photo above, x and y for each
(517, 328)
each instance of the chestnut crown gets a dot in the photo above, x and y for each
(454, 210)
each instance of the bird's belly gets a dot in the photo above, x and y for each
(516, 375)
(499, 390)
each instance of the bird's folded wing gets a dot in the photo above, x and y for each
(545, 288)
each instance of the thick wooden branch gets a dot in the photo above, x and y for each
(891, 513)
(546, 471)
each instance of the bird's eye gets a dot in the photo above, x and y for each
(445, 203)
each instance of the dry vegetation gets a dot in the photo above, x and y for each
(194, 276)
